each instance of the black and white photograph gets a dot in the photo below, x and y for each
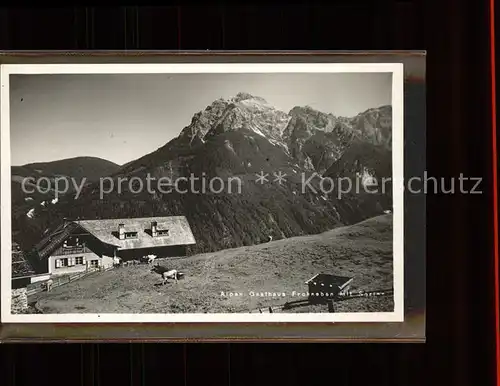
(202, 192)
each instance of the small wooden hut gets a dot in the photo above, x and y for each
(323, 287)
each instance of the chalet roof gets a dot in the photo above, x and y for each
(107, 231)
(49, 243)
(330, 280)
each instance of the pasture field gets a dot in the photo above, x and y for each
(262, 275)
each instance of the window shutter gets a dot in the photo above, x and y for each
(84, 261)
(58, 263)
(71, 261)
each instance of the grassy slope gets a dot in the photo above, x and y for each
(363, 250)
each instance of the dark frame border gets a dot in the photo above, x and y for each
(412, 330)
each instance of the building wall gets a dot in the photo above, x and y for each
(38, 278)
(20, 282)
(168, 251)
(319, 293)
(87, 258)
(106, 261)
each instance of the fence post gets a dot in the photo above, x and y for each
(331, 306)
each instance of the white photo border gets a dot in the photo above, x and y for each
(397, 71)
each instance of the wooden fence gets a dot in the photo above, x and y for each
(63, 279)
(268, 310)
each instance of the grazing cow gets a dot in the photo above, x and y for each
(151, 259)
(49, 284)
(166, 273)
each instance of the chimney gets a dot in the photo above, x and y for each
(121, 231)
(154, 229)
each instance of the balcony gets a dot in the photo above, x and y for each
(71, 250)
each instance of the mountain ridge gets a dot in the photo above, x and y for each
(92, 168)
(286, 130)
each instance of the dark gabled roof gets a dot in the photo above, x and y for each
(54, 240)
(107, 231)
(20, 282)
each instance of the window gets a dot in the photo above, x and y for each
(130, 235)
(94, 263)
(72, 242)
(61, 263)
(70, 261)
(159, 232)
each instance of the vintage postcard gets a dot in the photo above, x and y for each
(257, 192)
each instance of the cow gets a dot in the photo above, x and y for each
(166, 273)
(151, 259)
(48, 284)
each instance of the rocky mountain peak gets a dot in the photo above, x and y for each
(243, 111)
(375, 125)
(242, 96)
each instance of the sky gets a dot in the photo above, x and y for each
(123, 117)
